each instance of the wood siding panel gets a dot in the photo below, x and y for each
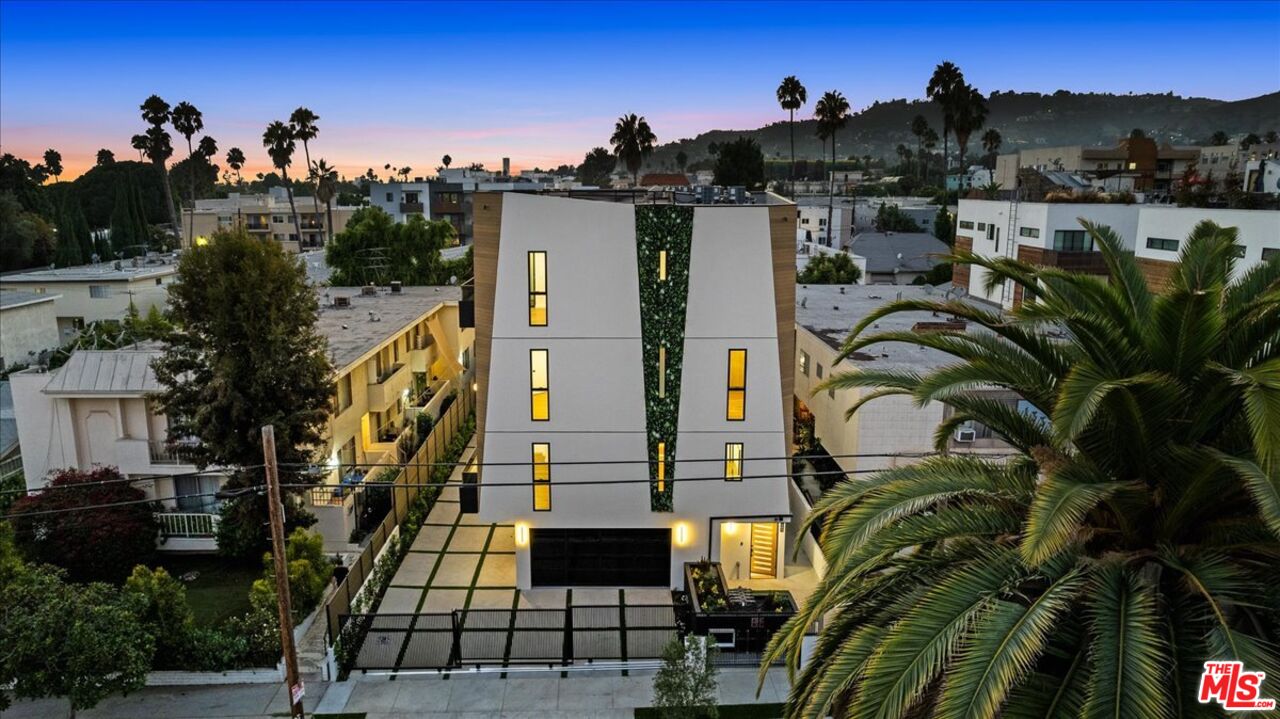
(782, 239)
(487, 233)
(960, 272)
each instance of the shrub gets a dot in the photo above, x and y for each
(685, 685)
(309, 573)
(103, 543)
(164, 609)
(834, 269)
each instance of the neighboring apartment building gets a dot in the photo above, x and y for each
(1050, 234)
(897, 258)
(645, 345)
(392, 352)
(811, 224)
(266, 216)
(893, 427)
(28, 326)
(104, 291)
(1134, 164)
(447, 198)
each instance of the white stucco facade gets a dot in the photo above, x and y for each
(597, 414)
(28, 326)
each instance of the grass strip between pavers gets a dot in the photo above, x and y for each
(408, 635)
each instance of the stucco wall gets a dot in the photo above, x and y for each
(26, 331)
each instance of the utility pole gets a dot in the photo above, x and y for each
(281, 561)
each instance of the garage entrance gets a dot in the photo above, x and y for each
(600, 557)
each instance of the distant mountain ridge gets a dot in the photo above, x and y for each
(1024, 119)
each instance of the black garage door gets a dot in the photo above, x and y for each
(600, 557)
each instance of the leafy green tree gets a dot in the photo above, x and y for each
(67, 253)
(26, 240)
(791, 97)
(942, 226)
(245, 353)
(1249, 141)
(889, 218)
(309, 573)
(740, 163)
(105, 157)
(1219, 138)
(162, 607)
(408, 252)
(632, 142)
(1270, 137)
(82, 642)
(685, 685)
(597, 167)
(836, 268)
(682, 160)
(158, 148)
(1137, 133)
(55, 526)
(1133, 535)
(279, 141)
(124, 232)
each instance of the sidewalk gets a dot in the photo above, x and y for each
(606, 695)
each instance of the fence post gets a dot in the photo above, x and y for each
(567, 659)
(455, 651)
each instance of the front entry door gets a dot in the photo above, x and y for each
(764, 550)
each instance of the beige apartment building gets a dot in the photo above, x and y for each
(267, 216)
(102, 291)
(395, 354)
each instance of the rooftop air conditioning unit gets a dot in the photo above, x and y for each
(395, 287)
(966, 434)
(342, 301)
(369, 291)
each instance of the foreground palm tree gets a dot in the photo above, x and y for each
(159, 148)
(1134, 535)
(791, 97)
(303, 124)
(632, 141)
(278, 139)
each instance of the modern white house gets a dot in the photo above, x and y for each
(1050, 234)
(634, 384)
(811, 224)
(101, 291)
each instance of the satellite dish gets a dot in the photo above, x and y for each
(453, 279)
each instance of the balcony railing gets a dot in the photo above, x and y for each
(389, 373)
(191, 525)
(407, 207)
(162, 452)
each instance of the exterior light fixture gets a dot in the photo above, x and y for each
(730, 528)
(682, 534)
(522, 534)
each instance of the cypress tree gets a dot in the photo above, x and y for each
(140, 222)
(122, 231)
(67, 251)
(84, 236)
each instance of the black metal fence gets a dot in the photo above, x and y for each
(507, 637)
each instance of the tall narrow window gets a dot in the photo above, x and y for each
(733, 461)
(662, 265)
(539, 386)
(662, 466)
(538, 289)
(541, 477)
(662, 371)
(737, 385)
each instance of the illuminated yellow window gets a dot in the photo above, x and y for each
(662, 466)
(737, 384)
(541, 477)
(539, 387)
(662, 371)
(662, 266)
(538, 289)
(733, 461)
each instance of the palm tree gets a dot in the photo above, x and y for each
(991, 141)
(943, 88)
(832, 112)
(791, 97)
(207, 148)
(235, 160)
(188, 120)
(156, 113)
(303, 124)
(919, 126)
(930, 142)
(446, 161)
(1133, 535)
(278, 139)
(970, 115)
(632, 142)
(53, 163)
(139, 143)
(325, 178)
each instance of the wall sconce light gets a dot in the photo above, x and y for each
(730, 528)
(475, 386)
(682, 534)
(522, 534)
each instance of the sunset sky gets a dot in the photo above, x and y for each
(542, 83)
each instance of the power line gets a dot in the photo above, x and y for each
(124, 480)
(130, 502)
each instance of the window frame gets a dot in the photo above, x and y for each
(535, 293)
(1163, 244)
(533, 389)
(804, 363)
(731, 388)
(660, 457)
(540, 483)
(733, 462)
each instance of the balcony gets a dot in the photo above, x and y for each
(188, 525)
(389, 386)
(162, 452)
(412, 207)
(422, 354)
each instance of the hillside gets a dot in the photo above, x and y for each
(1023, 119)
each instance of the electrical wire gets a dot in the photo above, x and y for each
(126, 480)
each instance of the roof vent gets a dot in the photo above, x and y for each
(342, 301)
(395, 287)
(369, 291)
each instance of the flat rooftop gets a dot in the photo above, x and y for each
(831, 314)
(369, 321)
(717, 196)
(116, 271)
(12, 299)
